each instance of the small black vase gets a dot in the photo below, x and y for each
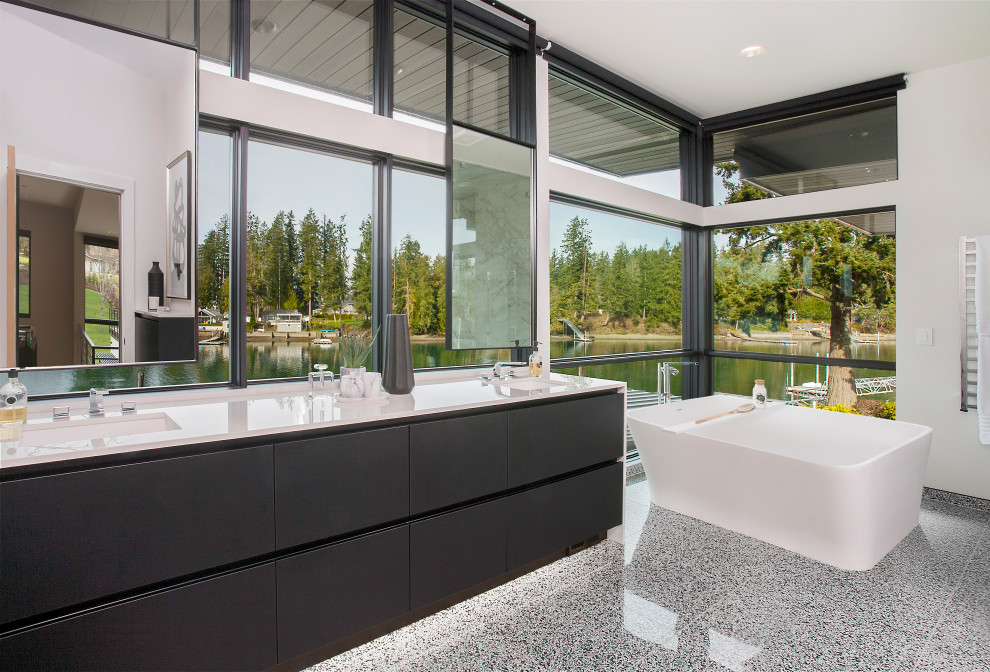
(397, 370)
(156, 283)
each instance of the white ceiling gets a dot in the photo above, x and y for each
(685, 50)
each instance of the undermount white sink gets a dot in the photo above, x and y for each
(528, 384)
(85, 429)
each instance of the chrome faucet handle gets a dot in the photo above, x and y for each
(60, 413)
(96, 395)
(320, 368)
(128, 407)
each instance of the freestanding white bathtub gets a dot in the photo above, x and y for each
(842, 489)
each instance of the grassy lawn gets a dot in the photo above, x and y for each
(98, 333)
(22, 298)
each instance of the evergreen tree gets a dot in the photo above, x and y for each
(361, 272)
(311, 259)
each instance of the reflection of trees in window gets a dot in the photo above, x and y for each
(103, 277)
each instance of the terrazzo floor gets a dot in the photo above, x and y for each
(685, 595)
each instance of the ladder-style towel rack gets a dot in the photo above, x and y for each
(967, 324)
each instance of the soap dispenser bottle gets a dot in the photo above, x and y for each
(535, 361)
(13, 400)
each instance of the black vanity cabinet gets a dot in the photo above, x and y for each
(545, 441)
(457, 460)
(71, 538)
(222, 623)
(337, 484)
(330, 593)
(225, 557)
(163, 337)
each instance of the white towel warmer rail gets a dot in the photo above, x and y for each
(967, 325)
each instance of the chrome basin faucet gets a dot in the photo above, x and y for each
(497, 369)
(96, 395)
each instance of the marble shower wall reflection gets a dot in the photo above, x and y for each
(491, 272)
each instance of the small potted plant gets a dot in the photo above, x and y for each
(355, 346)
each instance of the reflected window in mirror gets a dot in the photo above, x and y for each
(173, 20)
(317, 49)
(309, 261)
(490, 298)
(23, 273)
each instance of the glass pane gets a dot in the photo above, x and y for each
(806, 384)
(419, 271)
(308, 257)
(171, 19)
(615, 283)
(214, 32)
(320, 45)
(491, 304)
(420, 70)
(213, 357)
(607, 137)
(24, 274)
(481, 86)
(828, 150)
(816, 287)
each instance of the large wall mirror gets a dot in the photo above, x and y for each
(490, 301)
(98, 133)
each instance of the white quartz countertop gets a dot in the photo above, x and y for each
(168, 419)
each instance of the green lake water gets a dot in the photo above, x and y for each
(281, 360)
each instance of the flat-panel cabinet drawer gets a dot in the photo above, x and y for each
(338, 484)
(225, 623)
(546, 441)
(71, 538)
(452, 461)
(454, 551)
(552, 517)
(336, 591)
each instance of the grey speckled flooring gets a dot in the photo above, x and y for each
(684, 595)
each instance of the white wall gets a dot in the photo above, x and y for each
(943, 140)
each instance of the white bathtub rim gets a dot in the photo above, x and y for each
(922, 431)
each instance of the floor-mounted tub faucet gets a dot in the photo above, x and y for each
(664, 373)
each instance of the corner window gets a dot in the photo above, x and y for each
(822, 288)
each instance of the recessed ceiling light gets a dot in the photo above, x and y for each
(264, 26)
(750, 52)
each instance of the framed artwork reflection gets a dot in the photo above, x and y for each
(178, 284)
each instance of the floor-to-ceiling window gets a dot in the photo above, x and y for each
(309, 256)
(615, 293)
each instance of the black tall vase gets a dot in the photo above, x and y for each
(156, 283)
(397, 370)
